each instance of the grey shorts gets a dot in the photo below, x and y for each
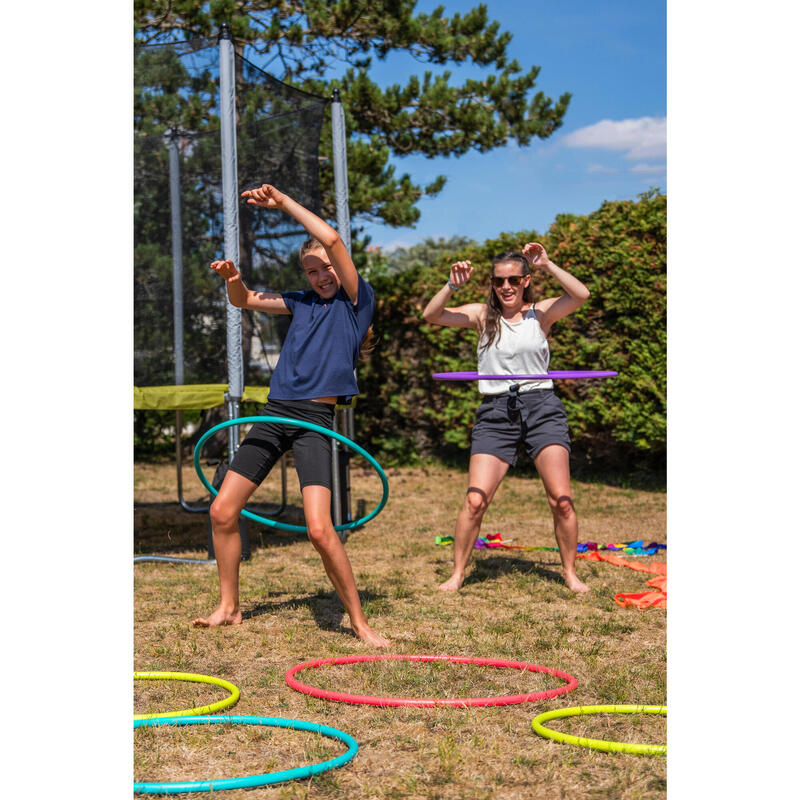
(268, 441)
(504, 421)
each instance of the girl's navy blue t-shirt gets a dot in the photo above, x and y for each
(319, 356)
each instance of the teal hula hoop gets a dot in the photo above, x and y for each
(248, 781)
(298, 423)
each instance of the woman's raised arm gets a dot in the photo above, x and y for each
(466, 316)
(575, 293)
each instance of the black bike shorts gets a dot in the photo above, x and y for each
(268, 441)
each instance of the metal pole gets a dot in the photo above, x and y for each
(177, 298)
(339, 141)
(230, 207)
(177, 254)
(350, 433)
(336, 490)
(339, 138)
(177, 287)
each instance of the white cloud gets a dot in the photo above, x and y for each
(645, 137)
(602, 168)
(649, 169)
(398, 244)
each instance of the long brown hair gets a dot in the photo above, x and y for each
(369, 341)
(491, 326)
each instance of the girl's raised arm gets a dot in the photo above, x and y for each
(242, 297)
(466, 316)
(269, 197)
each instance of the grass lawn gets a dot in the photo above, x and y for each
(513, 605)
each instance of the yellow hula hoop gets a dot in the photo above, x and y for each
(189, 676)
(599, 744)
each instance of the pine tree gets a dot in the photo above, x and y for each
(301, 41)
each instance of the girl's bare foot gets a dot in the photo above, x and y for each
(220, 616)
(367, 635)
(452, 584)
(575, 584)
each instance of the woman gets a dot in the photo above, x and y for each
(513, 333)
(330, 322)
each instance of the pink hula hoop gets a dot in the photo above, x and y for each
(502, 700)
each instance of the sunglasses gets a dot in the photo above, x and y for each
(514, 280)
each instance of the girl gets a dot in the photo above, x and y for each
(315, 368)
(513, 333)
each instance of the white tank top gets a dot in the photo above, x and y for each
(520, 349)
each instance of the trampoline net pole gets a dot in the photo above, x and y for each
(336, 494)
(177, 254)
(341, 502)
(230, 205)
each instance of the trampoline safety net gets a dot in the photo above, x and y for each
(176, 108)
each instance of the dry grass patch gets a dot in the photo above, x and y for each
(513, 605)
(204, 752)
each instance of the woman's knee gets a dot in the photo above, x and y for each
(562, 506)
(476, 502)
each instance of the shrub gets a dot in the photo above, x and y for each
(617, 425)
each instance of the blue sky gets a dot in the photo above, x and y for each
(612, 57)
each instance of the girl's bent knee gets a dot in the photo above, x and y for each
(319, 534)
(223, 514)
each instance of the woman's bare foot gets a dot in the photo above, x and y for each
(452, 584)
(220, 616)
(368, 636)
(575, 584)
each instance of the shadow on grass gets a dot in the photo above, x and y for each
(325, 607)
(165, 527)
(496, 566)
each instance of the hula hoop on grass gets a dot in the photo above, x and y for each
(599, 744)
(555, 375)
(502, 700)
(188, 676)
(248, 781)
(171, 560)
(297, 423)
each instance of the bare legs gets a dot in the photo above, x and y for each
(233, 495)
(317, 507)
(486, 472)
(552, 464)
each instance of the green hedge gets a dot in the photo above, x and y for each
(617, 425)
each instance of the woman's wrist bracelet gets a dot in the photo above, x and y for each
(454, 288)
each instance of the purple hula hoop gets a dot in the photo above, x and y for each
(556, 375)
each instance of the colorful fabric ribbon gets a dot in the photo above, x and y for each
(590, 551)
(635, 548)
(493, 540)
(656, 599)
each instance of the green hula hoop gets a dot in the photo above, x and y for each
(599, 744)
(298, 423)
(188, 676)
(248, 781)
